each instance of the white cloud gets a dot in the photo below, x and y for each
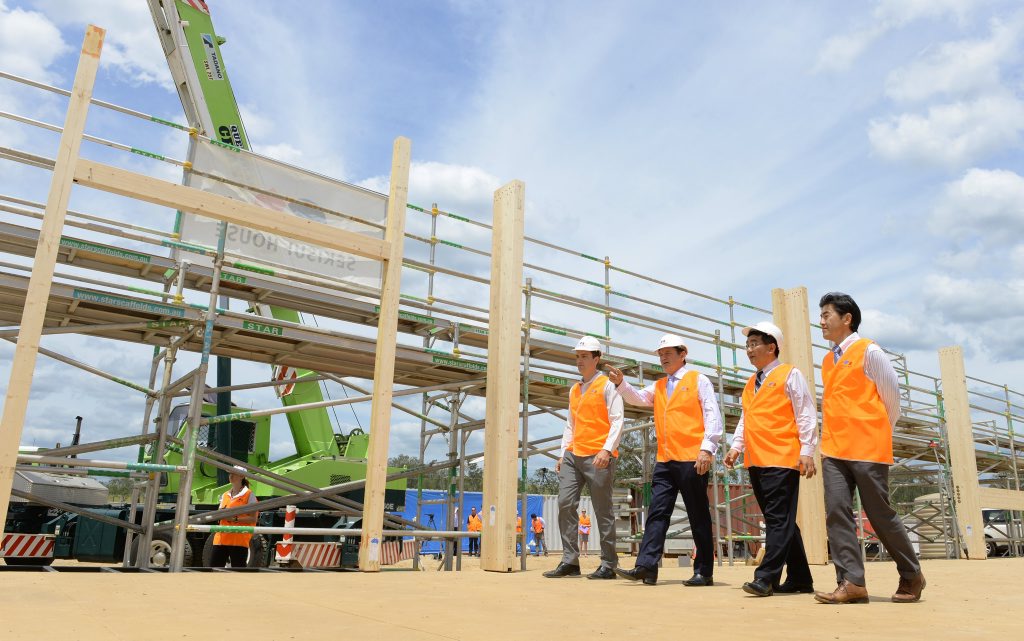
(988, 203)
(281, 151)
(951, 134)
(131, 45)
(1017, 258)
(958, 67)
(29, 43)
(965, 300)
(900, 12)
(901, 333)
(840, 51)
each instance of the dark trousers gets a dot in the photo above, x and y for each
(237, 554)
(474, 546)
(777, 490)
(672, 478)
(871, 480)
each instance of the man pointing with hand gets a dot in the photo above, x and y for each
(688, 425)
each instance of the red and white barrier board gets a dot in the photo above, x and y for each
(28, 546)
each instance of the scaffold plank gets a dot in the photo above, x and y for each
(384, 360)
(503, 380)
(791, 313)
(959, 432)
(37, 296)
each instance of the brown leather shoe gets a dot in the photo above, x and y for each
(910, 589)
(846, 593)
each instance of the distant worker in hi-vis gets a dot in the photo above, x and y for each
(860, 407)
(688, 424)
(776, 434)
(584, 532)
(587, 455)
(233, 547)
(474, 524)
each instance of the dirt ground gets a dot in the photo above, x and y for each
(964, 600)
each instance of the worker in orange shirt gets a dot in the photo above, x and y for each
(537, 524)
(519, 533)
(474, 524)
(859, 408)
(233, 547)
(776, 434)
(584, 531)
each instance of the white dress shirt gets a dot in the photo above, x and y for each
(879, 369)
(805, 410)
(613, 402)
(705, 394)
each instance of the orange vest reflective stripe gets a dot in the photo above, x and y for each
(475, 524)
(538, 526)
(855, 424)
(678, 421)
(235, 538)
(770, 432)
(590, 424)
(519, 524)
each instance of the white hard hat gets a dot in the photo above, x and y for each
(766, 328)
(671, 340)
(238, 469)
(589, 344)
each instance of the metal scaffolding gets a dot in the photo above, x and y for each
(135, 282)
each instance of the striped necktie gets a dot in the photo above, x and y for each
(670, 385)
(758, 380)
(837, 351)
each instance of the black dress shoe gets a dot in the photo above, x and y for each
(698, 580)
(639, 573)
(602, 572)
(758, 587)
(563, 569)
(792, 587)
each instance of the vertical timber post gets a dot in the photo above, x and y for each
(38, 295)
(503, 372)
(963, 461)
(384, 368)
(790, 313)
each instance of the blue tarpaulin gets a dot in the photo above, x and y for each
(438, 510)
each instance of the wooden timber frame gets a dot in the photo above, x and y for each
(498, 545)
(969, 498)
(790, 313)
(45, 262)
(69, 168)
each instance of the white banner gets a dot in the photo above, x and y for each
(260, 181)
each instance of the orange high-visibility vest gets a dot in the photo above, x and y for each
(538, 526)
(590, 424)
(855, 423)
(519, 524)
(770, 432)
(678, 421)
(585, 525)
(475, 524)
(235, 538)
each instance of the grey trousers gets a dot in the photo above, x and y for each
(577, 470)
(872, 481)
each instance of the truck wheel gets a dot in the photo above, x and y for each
(259, 550)
(22, 561)
(160, 551)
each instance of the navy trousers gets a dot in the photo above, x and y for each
(670, 479)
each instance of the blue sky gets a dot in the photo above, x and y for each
(870, 147)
